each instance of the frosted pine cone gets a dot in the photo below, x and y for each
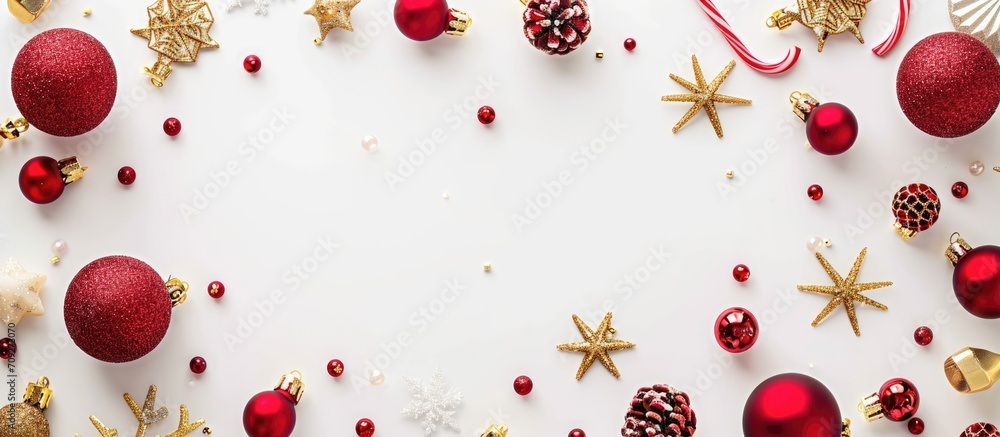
(660, 411)
(557, 27)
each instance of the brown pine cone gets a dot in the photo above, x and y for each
(557, 27)
(660, 411)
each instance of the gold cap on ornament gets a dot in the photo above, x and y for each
(38, 394)
(845, 430)
(458, 22)
(780, 19)
(972, 370)
(71, 170)
(27, 10)
(802, 104)
(871, 408)
(957, 248)
(292, 383)
(495, 431)
(178, 291)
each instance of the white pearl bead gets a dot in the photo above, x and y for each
(59, 247)
(376, 377)
(369, 143)
(976, 168)
(814, 244)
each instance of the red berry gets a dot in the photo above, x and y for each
(741, 273)
(486, 115)
(815, 192)
(523, 385)
(960, 190)
(365, 428)
(335, 368)
(216, 289)
(251, 64)
(198, 365)
(126, 175)
(8, 348)
(629, 44)
(172, 126)
(923, 335)
(577, 433)
(915, 426)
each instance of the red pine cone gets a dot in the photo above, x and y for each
(557, 27)
(916, 207)
(660, 411)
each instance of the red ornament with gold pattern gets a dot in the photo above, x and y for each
(976, 279)
(916, 207)
(981, 429)
(423, 20)
(897, 400)
(272, 413)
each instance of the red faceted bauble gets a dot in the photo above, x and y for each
(269, 414)
(365, 428)
(117, 309)
(976, 281)
(421, 20)
(948, 85)
(736, 330)
(831, 128)
(40, 180)
(981, 429)
(899, 399)
(64, 82)
(791, 405)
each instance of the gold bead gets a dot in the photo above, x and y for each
(487, 267)
(54, 260)
(86, 12)
(600, 54)
(729, 174)
(206, 430)
(317, 41)
(827, 242)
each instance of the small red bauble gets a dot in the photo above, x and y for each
(916, 208)
(981, 429)
(216, 289)
(897, 400)
(736, 330)
(923, 336)
(948, 84)
(43, 179)
(8, 348)
(486, 115)
(64, 82)
(335, 368)
(960, 190)
(523, 385)
(365, 428)
(915, 426)
(629, 44)
(791, 405)
(423, 20)
(577, 433)
(126, 175)
(251, 64)
(831, 128)
(272, 413)
(976, 279)
(815, 192)
(198, 365)
(172, 126)
(556, 27)
(741, 273)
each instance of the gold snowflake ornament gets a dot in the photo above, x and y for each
(177, 31)
(703, 95)
(824, 17)
(845, 291)
(596, 346)
(332, 14)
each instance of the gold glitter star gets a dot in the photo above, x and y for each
(332, 14)
(19, 292)
(596, 345)
(845, 291)
(824, 17)
(177, 31)
(703, 95)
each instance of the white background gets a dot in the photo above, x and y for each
(399, 244)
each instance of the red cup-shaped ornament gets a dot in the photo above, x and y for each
(423, 20)
(791, 405)
(736, 330)
(897, 400)
(916, 208)
(976, 279)
(272, 413)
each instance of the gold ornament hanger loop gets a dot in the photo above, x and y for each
(178, 291)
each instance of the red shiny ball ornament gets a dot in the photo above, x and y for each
(741, 273)
(117, 309)
(8, 348)
(629, 44)
(976, 281)
(923, 336)
(577, 433)
(270, 414)
(486, 115)
(948, 84)
(40, 180)
(523, 385)
(64, 82)
(831, 128)
(172, 126)
(216, 289)
(126, 175)
(899, 399)
(251, 64)
(198, 365)
(960, 190)
(422, 20)
(335, 368)
(365, 428)
(981, 429)
(736, 330)
(815, 192)
(915, 426)
(791, 405)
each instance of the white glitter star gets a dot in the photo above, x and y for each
(434, 402)
(259, 8)
(19, 292)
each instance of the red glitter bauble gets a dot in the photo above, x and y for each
(421, 20)
(791, 405)
(172, 126)
(365, 428)
(948, 84)
(523, 385)
(40, 180)
(126, 175)
(736, 330)
(915, 426)
(117, 309)
(923, 336)
(981, 429)
(270, 414)
(899, 399)
(64, 82)
(831, 128)
(976, 281)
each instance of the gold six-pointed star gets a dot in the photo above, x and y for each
(824, 17)
(596, 345)
(19, 292)
(332, 14)
(845, 291)
(703, 95)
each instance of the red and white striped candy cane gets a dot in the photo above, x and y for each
(897, 32)
(741, 50)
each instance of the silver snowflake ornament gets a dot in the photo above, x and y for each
(434, 402)
(260, 6)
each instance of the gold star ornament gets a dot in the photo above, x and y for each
(596, 345)
(19, 292)
(824, 17)
(703, 95)
(845, 291)
(332, 14)
(177, 31)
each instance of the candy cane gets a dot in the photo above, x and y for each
(742, 51)
(897, 32)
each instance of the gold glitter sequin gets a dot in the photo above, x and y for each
(703, 95)
(596, 345)
(845, 291)
(332, 14)
(177, 31)
(19, 292)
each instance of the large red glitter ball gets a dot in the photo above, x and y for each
(64, 82)
(736, 330)
(981, 429)
(948, 84)
(791, 405)
(421, 20)
(117, 309)
(269, 414)
(899, 399)
(976, 282)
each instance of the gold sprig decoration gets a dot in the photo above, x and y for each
(824, 17)
(177, 31)
(703, 95)
(596, 345)
(845, 291)
(147, 415)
